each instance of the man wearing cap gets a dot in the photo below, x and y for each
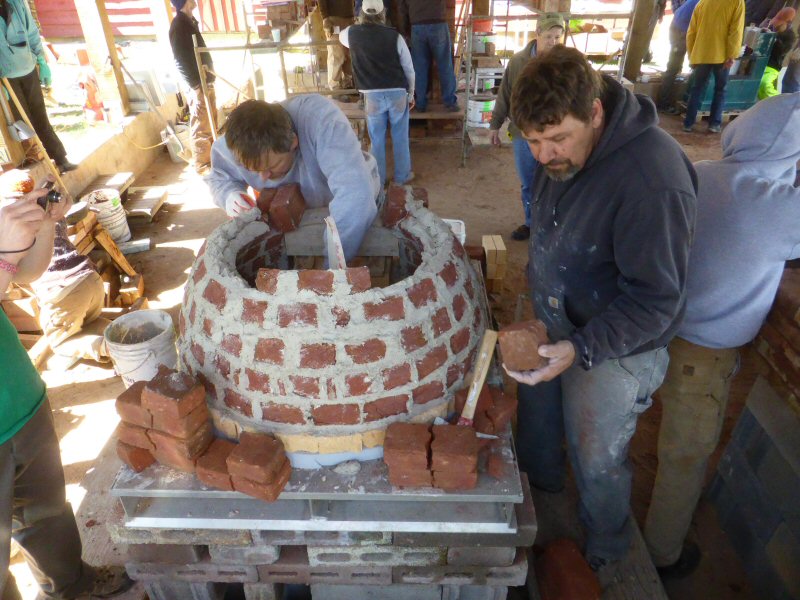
(202, 116)
(336, 16)
(384, 73)
(550, 30)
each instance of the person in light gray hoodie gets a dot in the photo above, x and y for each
(748, 225)
(305, 140)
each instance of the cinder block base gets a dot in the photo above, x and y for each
(454, 575)
(263, 591)
(244, 555)
(474, 592)
(491, 556)
(172, 554)
(293, 567)
(375, 556)
(322, 538)
(376, 592)
(196, 573)
(185, 537)
(172, 590)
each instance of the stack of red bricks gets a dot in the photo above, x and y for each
(445, 456)
(259, 466)
(282, 207)
(493, 412)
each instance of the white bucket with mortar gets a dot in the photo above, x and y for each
(139, 343)
(110, 213)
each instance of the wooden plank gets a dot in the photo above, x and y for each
(119, 181)
(308, 240)
(109, 246)
(134, 246)
(145, 201)
(39, 351)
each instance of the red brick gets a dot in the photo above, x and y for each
(459, 306)
(386, 407)
(454, 374)
(336, 414)
(331, 387)
(216, 294)
(503, 409)
(460, 340)
(396, 376)
(359, 279)
(428, 392)
(370, 351)
(441, 322)
(422, 293)
(455, 480)
(297, 314)
(253, 311)
(259, 457)
(412, 338)
(264, 200)
(287, 208)
(406, 446)
(431, 361)
(267, 280)
(282, 413)
(449, 274)
(268, 492)
(358, 385)
(419, 478)
(202, 250)
(198, 353)
(519, 345)
(305, 386)
(477, 253)
(137, 459)
(341, 316)
(189, 448)
(274, 240)
(208, 327)
(317, 356)
(458, 249)
(238, 403)
(232, 343)
(199, 272)
(167, 456)
(173, 393)
(184, 427)
(192, 313)
(210, 388)
(563, 574)
(420, 194)
(258, 382)
(269, 350)
(129, 406)
(394, 210)
(181, 324)
(317, 281)
(454, 448)
(484, 403)
(222, 365)
(469, 288)
(478, 320)
(212, 467)
(389, 309)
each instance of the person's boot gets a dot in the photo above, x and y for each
(521, 233)
(65, 166)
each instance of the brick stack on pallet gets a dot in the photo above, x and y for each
(496, 262)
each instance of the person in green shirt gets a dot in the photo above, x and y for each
(33, 506)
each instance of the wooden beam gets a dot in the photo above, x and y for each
(109, 246)
(644, 23)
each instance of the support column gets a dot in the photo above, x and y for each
(641, 34)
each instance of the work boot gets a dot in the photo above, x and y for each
(685, 565)
(521, 233)
(65, 166)
(452, 108)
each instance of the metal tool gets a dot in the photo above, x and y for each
(481, 369)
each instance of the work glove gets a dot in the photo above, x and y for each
(45, 75)
(238, 203)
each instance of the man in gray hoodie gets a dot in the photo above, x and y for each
(305, 140)
(748, 225)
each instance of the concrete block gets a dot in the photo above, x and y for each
(783, 553)
(483, 556)
(293, 567)
(780, 482)
(375, 555)
(172, 590)
(321, 591)
(196, 573)
(263, 591)
(322, 538)
(474, 592)
(513, 575)
(166, 553)
(126, 535)
(244, 555)
(778, 420)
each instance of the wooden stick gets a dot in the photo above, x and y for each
(108, 244)
(481, 369)
(335, 252)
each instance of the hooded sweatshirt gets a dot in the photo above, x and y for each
(610, 247)
(329, 165)
(22, 42)
(748, 224)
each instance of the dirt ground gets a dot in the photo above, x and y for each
(485, 195)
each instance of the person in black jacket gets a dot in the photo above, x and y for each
(613, 215)
(183, 27)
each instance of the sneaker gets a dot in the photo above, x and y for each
(109, 582)
(685, 565)
(452, 108)
(714, 128)
(521, 233)
(688, 128)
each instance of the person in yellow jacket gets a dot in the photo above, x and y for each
(713, 41)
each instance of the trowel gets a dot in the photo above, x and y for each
(18, 130)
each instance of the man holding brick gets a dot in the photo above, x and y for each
(33, 506)
(748, 225)
(613, 213)
(305, 140)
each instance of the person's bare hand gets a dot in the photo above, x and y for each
(728, 63)
(560, 357)
(239, 202)
(20, 220)
(411, 104)
(495, 137)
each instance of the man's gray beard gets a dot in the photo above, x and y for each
(562, 175)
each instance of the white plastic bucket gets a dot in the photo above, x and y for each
(110, 213)
(175, 153)
(139, 342)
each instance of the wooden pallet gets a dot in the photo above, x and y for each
(117, 181)
(145, 202)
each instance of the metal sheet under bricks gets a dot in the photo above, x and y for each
(293, 567)
(244, 555)
(484, 556)
(263, 591)
(173, 554)
(454, 575)
(322, 538)
(197, 573)
(321, 591)
(393, 556)
(474, 592)
(175, 590)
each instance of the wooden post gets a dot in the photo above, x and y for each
(640, 36)
(99, 38)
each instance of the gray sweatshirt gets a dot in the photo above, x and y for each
(329, 166)
(748, 224)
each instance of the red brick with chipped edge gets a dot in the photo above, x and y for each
(216, 294)
(258, 457)
(476, 322)
(428, 392)
(389, 309)
(166, 456)
(396, 376)
(386, 407)
(431, 361)
(174, 393)
(565, 574)
(232, 343)
(358, 385)
(367, 352)
(287, 208)
(413, 338)
(267, 492)
(211, 467)
(454, 448)
(269, 350)
(129, 406)
(282, 413)
(519, 345)
(198, 353)
(317, 356)
(460, 340)
(441, 322)
(423, 293)
(208, 327)
(455, 480)
(199, 272)
(459, 306)
(190, 448)
(503, 409)
(485, 400)
(458, 249)
(315, 280)
(222, 365)
(192, 313)
(184, 427)
(238, 403)
(449, 274)
(305, 386)
(454, 374)
(336, 414)
(265, 198)
(341, 316)
(394, 210)
(137, 459)
(469, 288)
(257, 382)
(267, 280)
(419, 478)
(253, 311)
(211, 389)
(359, 279)
(301, 313)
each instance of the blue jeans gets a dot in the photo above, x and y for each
(596, 411)
(698, 91)
(526, 168)
(389, 108)
(432, 41)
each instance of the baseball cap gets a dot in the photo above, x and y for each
(550, 20)
(372, 7)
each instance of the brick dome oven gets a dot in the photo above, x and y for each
(320, 358)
